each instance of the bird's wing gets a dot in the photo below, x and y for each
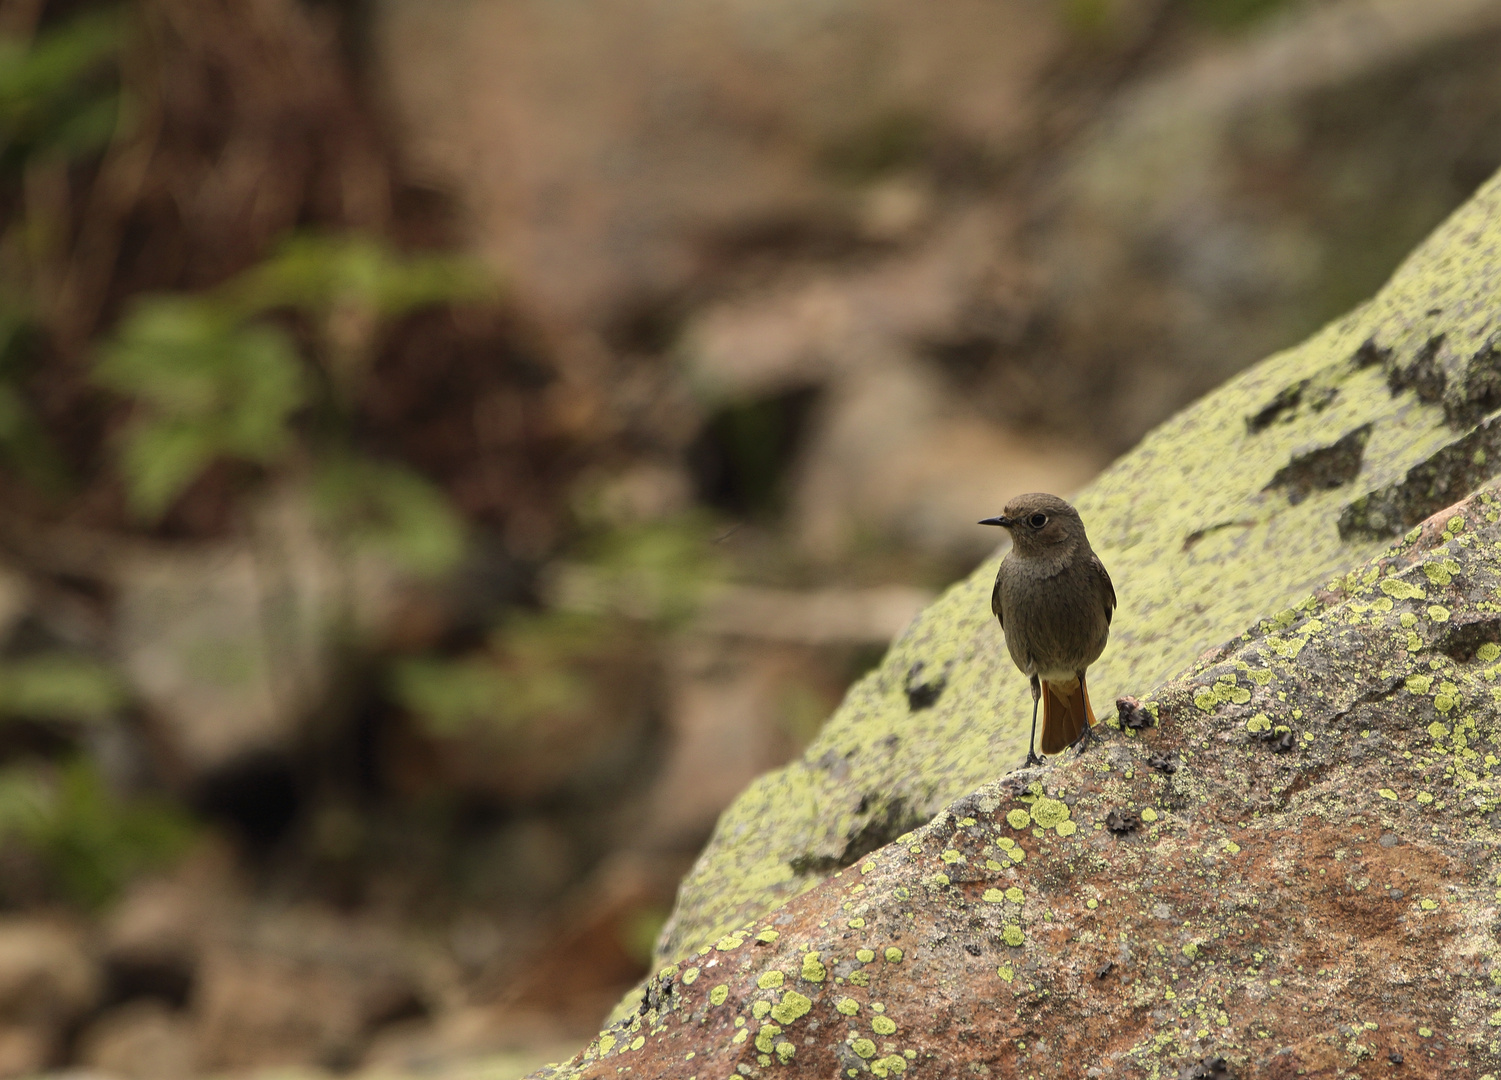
(995, 597)
(1107, 593)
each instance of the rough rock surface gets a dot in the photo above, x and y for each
(48, 981)
(1236, 509)
(1208, 217)
(1280, 864)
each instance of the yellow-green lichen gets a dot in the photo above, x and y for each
(1049, 813)
(813, 970)
(993, 896)
(1441, 571)
(865, 956)
(1398, 589)
(883, 1025)
(1018, 818)
(847, 1006)
(792, 1006)
(864, 1047)
(893, 955)
(719, 995)
(769, 980)
(1013, 935)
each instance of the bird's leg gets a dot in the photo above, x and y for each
(1087, 738)
(1032, 758)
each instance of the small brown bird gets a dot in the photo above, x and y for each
(1054, 600)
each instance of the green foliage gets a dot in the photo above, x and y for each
(59, 101)
(58, 93)
(390, 510)
(59, 687)
(91, 842)
(890, 142)
(24, 445)
(320, 274)
(211, 378)
(657, 571)
(545, 664)
(536, 666)
(206, 386)
(1099, 19)
(1232, 14)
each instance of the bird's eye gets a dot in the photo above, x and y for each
(1037, 521)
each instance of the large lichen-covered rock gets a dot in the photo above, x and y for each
(1293, 874)
(1235, 510)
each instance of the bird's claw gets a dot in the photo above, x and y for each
(1085, 741)
(1033, 759)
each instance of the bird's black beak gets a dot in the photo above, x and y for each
(1003, 521)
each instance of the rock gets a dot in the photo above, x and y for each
(897, 450)
(153, 936)
(1200, 543)
(902, 458)
(1206, 217)
(140, 1040)
(230, 646)
(301, 988)
(1248, 925)
(48, 980)
(608, 162)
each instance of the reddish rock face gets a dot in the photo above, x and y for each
(1292, 874)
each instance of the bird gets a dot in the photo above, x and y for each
(1054, 600)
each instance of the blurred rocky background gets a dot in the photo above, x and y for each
(448, 447)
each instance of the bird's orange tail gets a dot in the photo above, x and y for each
(1065, 714)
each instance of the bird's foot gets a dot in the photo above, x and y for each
(1085, 741)
(1033, 759)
